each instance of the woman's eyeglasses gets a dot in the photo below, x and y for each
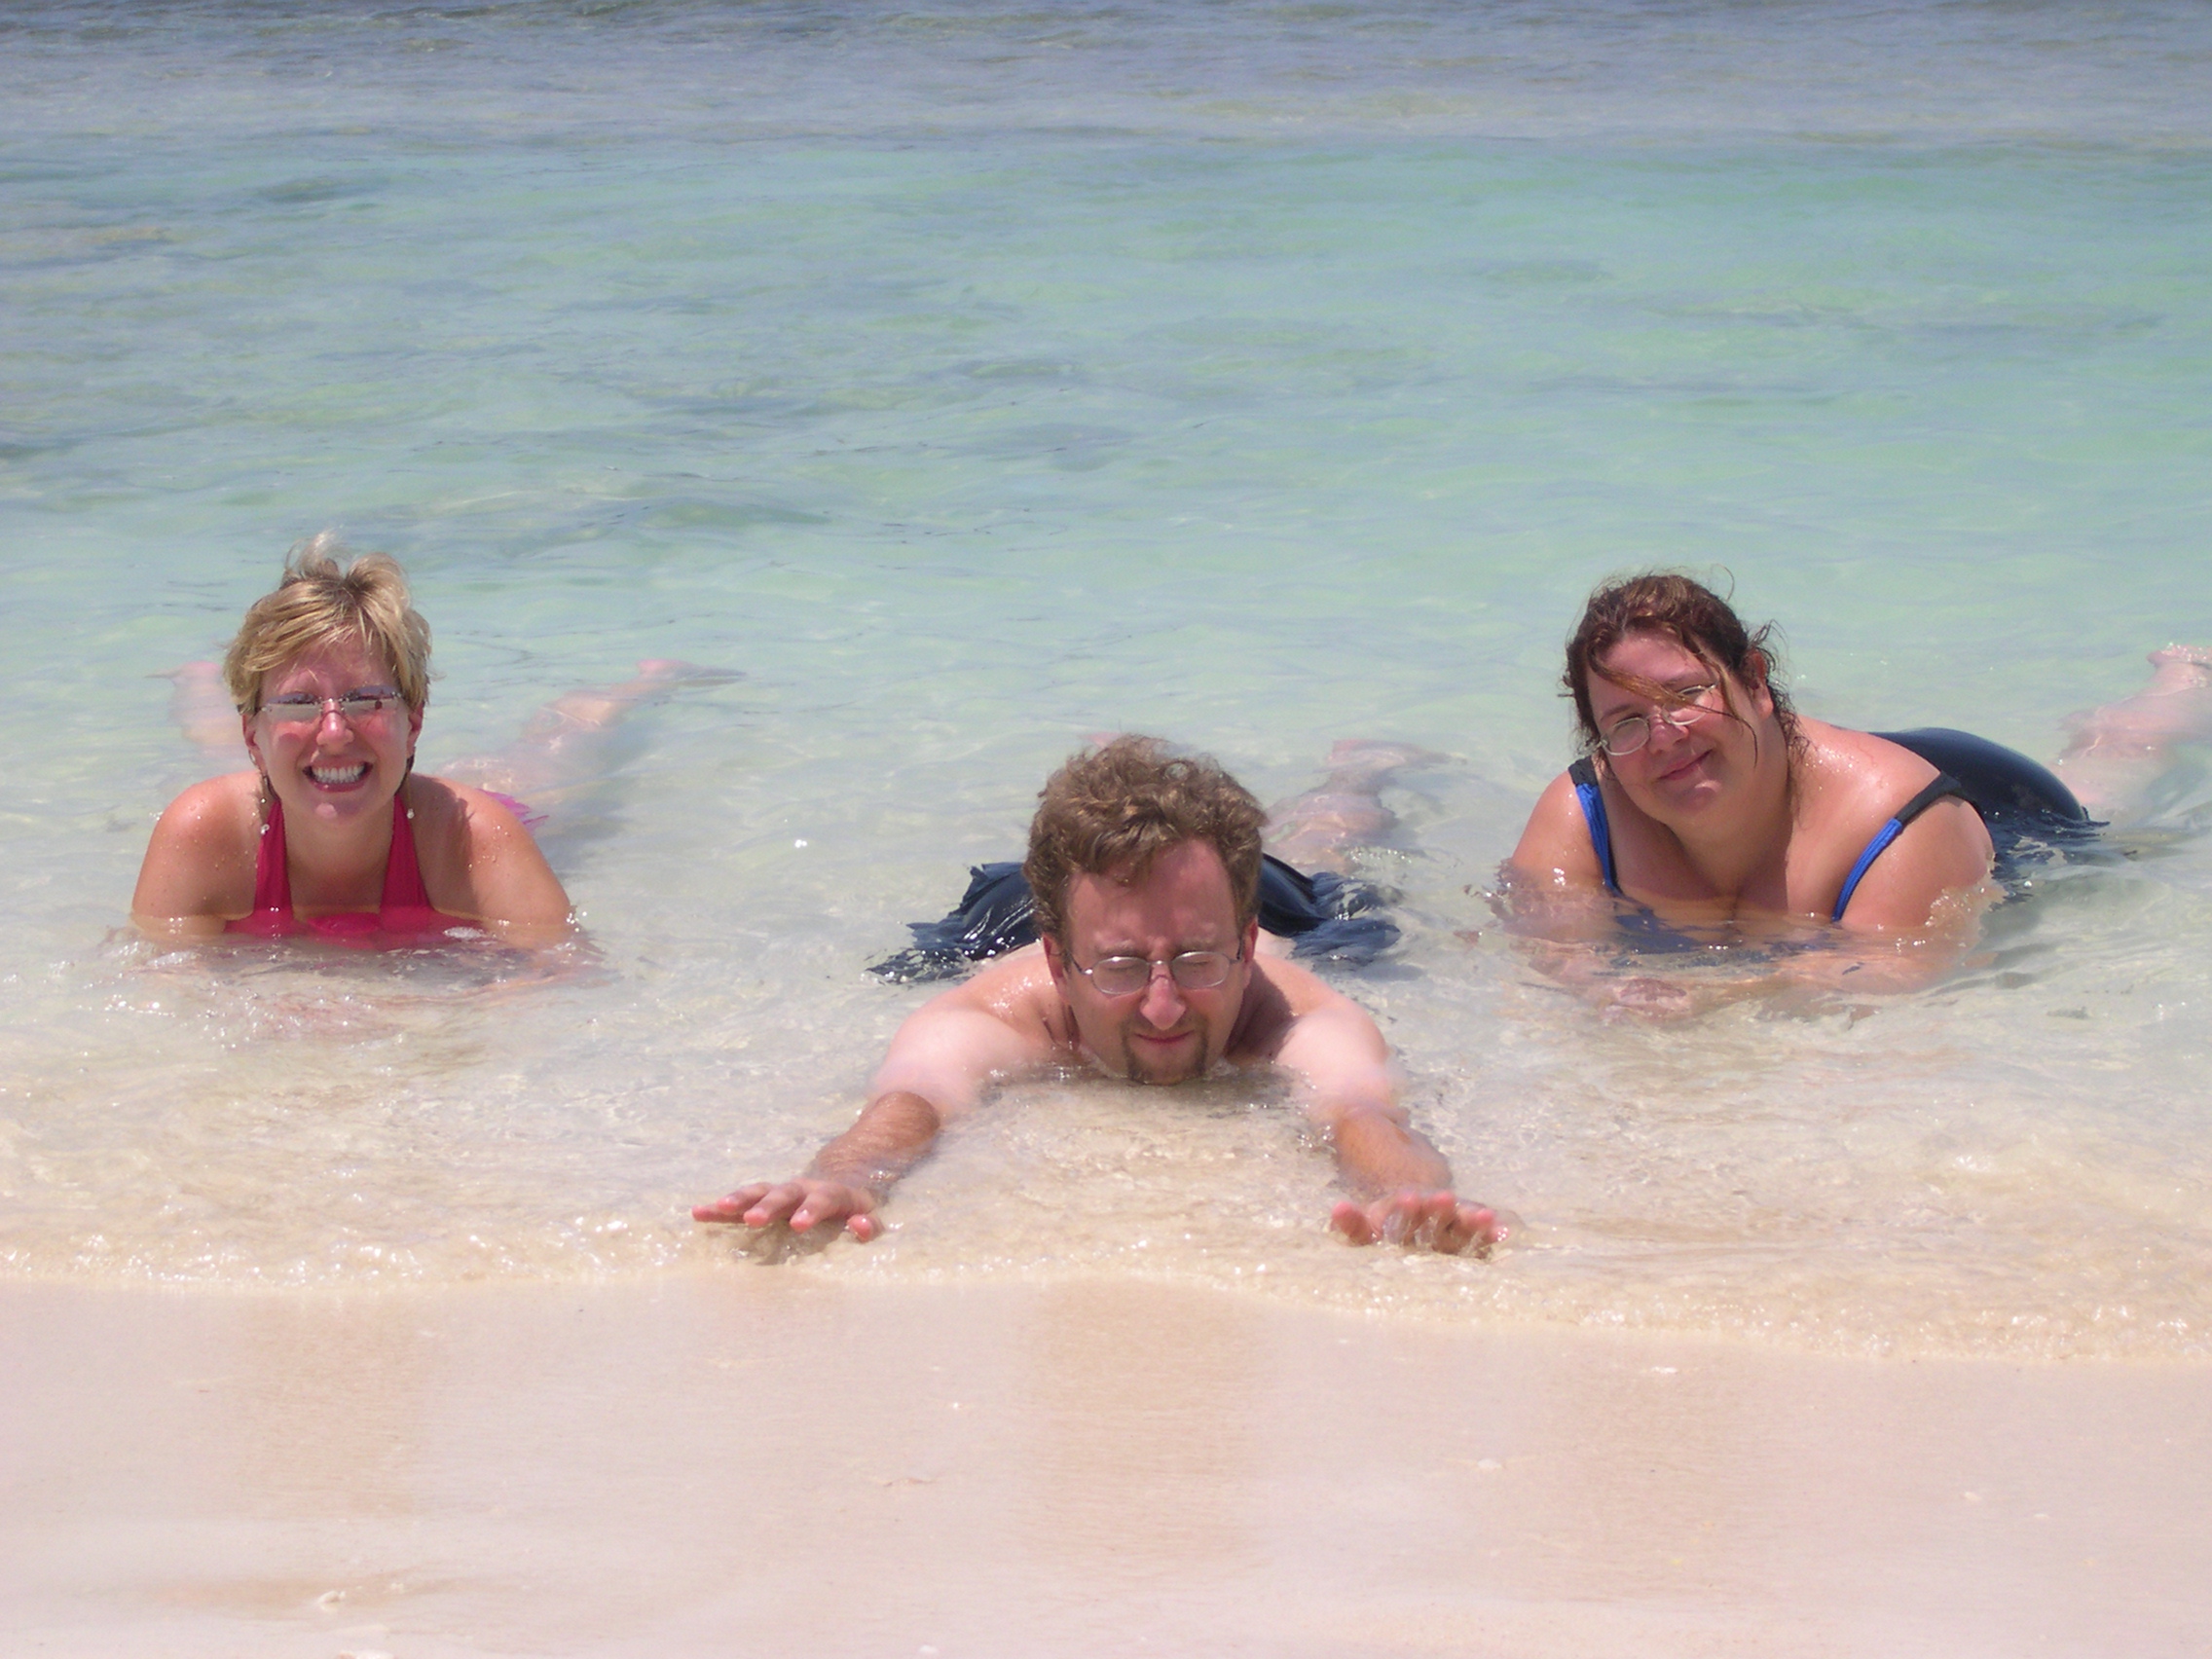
(1632, 732)
(299, 709)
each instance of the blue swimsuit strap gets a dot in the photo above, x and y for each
(1584, 774)
(1943, 785)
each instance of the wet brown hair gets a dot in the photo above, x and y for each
(1116, 809)
(1694, 617)
(319, 601)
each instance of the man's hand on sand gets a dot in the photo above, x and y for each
(797, 1205)
(1432, 1221)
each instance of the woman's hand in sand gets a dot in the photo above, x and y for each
(1431, 1221)
(798, 1205)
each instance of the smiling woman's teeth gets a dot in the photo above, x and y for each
(336, 775)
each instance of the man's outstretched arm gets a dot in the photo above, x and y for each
(848, 1177)
(1418, 1208)
(944, 1054)
(1401, 1185)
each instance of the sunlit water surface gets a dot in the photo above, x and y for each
(978, 378)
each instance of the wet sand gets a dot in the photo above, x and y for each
(744, 1461)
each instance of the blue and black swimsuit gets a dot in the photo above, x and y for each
(2030, 815)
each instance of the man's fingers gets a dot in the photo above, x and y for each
(1353, 1223)
(1435, 1221)
(1464, 1224)
(1447, 1226)
(732, 1207)
(1395, 1219)
(776, 1203)
(1414, 1217)
(831, 1202)
(758, 1205)
(1476, 1227)
(797, 1204)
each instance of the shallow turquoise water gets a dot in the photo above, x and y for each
(974, 379)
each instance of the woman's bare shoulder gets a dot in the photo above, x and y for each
(1555, 846)
(1858, 776)
(474, 816)
(200, 860)
(1892, 761)
(210, 814)
(478, 859)
(1865, 780)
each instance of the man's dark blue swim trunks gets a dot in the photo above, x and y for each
(1334, 917)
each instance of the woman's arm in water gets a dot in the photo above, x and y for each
(1813, 968)
(1811, 964)
(1555, 854)
(1942, 855)
(479, 863)
(197, 872)
(1913, 919)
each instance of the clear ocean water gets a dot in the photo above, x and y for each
(978, 377)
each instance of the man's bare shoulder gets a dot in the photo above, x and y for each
(1005, 1018)
(1301, 988)
(1282, 998)
(1016, 989)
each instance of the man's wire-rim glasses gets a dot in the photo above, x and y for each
(1190, 970)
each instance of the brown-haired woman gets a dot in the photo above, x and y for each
(1707, 799)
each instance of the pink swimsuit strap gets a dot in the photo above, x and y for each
(403, 907)
(403, 888)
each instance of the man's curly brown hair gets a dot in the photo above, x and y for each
(1116, 809)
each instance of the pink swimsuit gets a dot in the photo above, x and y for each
(403, 913)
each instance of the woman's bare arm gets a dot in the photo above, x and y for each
(197, 872)
(479, 863)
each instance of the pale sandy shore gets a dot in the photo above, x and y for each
(747, 1462)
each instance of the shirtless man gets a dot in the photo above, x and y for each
(1145, 867)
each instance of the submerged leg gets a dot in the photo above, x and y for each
(201, 705)
(567, 742)
(2116, 752)
(1319, 828)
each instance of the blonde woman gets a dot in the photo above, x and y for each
(331, 832)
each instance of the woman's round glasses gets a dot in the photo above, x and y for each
(1632, 732)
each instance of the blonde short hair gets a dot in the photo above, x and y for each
(318, 601)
